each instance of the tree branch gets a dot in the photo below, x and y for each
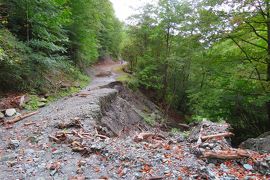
(255, 31)
(248, 58)
(253, 44)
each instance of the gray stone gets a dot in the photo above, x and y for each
(29, 152)
(180, 138)
(250, 178)
(211, 145)
(13, 144)
(211, 173)
(41, 104)
(10, 112)
(224, 168)
(53, 172)
(1, 115)
(125, 170)
(9, 157)
(260, 144)
(43, 100)
(248, 167)
(138, 175)
(228, 178)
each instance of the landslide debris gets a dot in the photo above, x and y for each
(101, 133)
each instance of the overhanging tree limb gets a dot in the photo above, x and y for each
(255, 31)
(251, 43)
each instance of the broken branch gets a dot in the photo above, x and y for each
(143, 136)
(226, 134)
(21, 117)
(228, 154)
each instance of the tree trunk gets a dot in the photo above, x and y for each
(166, 66)
(268, 58)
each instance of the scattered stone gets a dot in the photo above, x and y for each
(224, 168)
(8, 157)
(138, 175)
(1, 115)
(13, 144)
(43, 100)
(81, 163)
(53, 172)
(180, 138)
(11, 163)
(79, 170)
(10, 112)
(248, 167)
(41, 104)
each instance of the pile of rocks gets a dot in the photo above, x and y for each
(211, 142)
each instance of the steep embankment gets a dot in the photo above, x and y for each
(96, 134)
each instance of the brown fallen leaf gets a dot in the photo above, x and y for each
(146, 168)
(167, 147)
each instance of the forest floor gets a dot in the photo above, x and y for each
(101, 133)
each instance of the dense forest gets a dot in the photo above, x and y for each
(205, 59)
(200, 58)
(45, 39)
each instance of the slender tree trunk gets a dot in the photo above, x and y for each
(166, 66)
(268, 57)
(27, 19)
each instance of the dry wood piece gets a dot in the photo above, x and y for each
(226, 134)
(146, 135)
(83, 94)
(30, 123)
(157, 178)
(77, 146)
(54, 139)
(227, 154)
(200, 136)
(102, 136)
(21, 117)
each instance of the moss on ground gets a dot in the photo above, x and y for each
(35, 102)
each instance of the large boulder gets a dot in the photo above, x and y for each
(260, 144)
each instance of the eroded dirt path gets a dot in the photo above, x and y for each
(90, 135)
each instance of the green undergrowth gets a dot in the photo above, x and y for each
(126, 78)
(35, 102)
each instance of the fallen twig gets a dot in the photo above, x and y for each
(21, 117)
(142, 136)
(83, 94)
(226, 134)
(102, 136)
(29, 124)
(157, 178)
(54, 139)
(200, 136)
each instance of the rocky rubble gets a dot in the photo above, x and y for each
(211, 143)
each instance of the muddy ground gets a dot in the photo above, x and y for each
(90, 135)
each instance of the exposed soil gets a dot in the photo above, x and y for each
(90, 135)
